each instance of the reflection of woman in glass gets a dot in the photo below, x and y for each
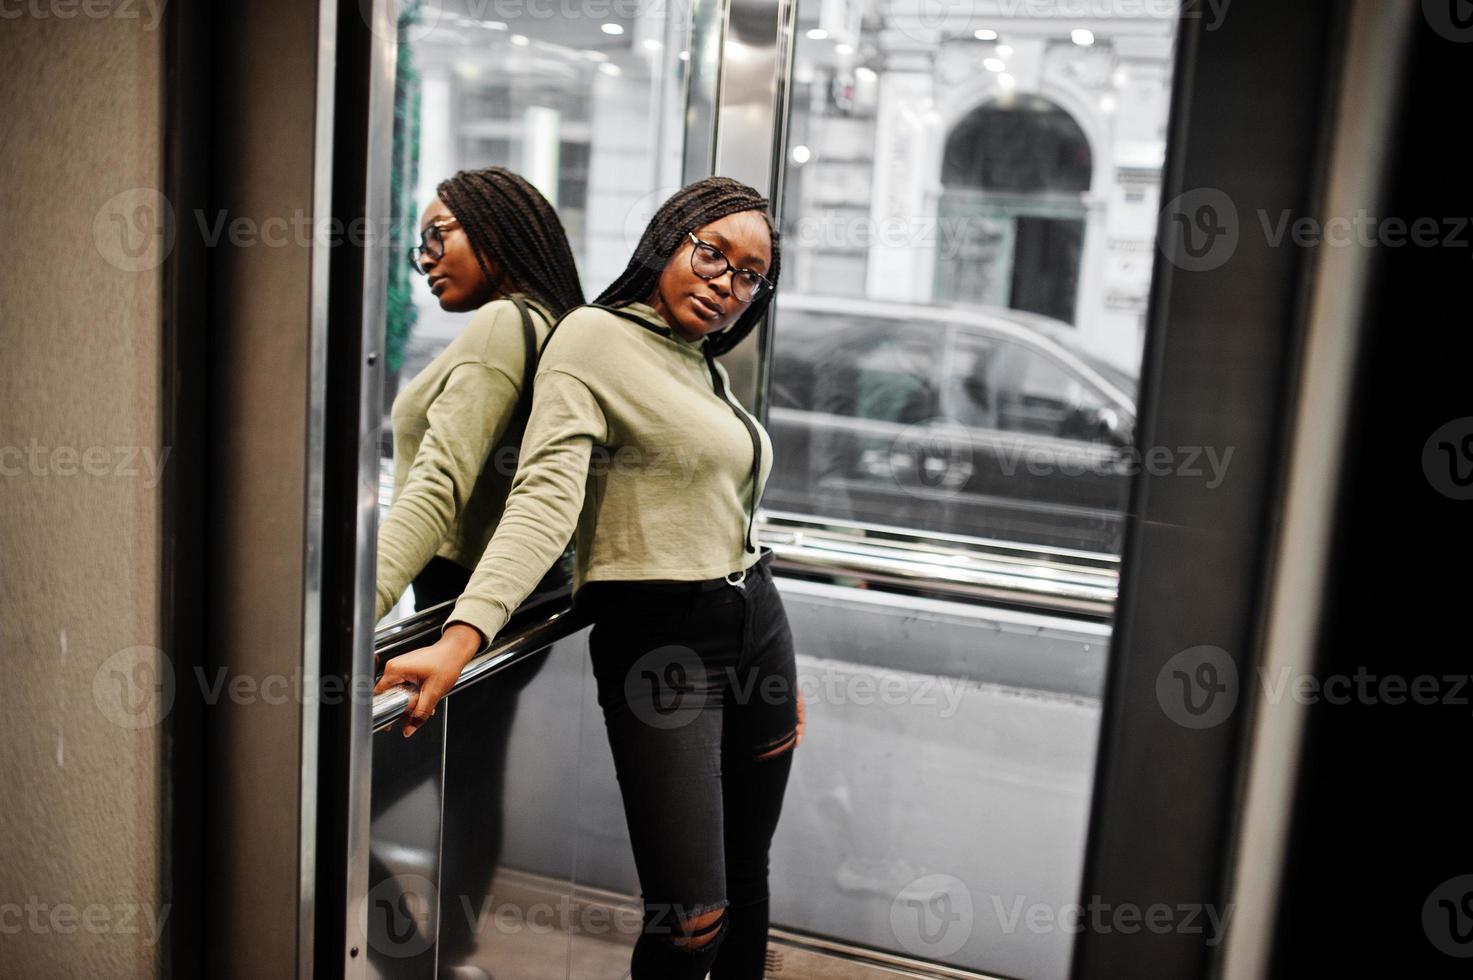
(635, 442)
(487, 239)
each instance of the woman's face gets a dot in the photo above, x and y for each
(694, 306)
(455, 277)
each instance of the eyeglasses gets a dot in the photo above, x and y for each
(709, 262)
(431, 243)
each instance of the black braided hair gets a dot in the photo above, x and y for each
(689, 208)
(508, 220)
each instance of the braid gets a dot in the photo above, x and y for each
(687, 209)
(506, 218)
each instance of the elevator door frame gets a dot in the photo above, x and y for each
(261, 893)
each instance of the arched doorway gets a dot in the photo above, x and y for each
(1014, 174)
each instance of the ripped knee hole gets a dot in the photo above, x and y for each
(780, 746)
(700, 930)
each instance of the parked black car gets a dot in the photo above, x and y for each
(978, 422)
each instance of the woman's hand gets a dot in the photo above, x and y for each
(431, 671)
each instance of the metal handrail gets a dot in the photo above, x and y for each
(1051, 580)
(514, 647)
(1047, 580)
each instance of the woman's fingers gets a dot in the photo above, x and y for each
(390, 679)
(421, 707)
(395, 676)
(430, 672)
(409, 708)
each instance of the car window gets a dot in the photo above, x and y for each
(1127, 384)
(881, 370)
(997, 383)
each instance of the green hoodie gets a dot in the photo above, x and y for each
(449, 486)
(631, 447)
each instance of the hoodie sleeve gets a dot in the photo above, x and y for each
(465, 422)
(546, 498)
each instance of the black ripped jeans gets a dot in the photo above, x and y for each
(699, 696)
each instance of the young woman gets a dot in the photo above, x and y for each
(637, 444)
(487, 240)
